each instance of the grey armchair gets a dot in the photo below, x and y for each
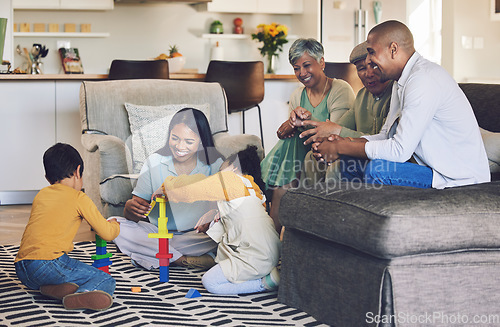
(106, 134)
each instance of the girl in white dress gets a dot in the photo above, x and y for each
(248, 244)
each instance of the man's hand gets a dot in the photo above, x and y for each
(329, 149)
(320, 129)
(136, 209)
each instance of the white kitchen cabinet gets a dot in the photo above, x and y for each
(257, 6)
(280, 6)
(87, 4)
(34, 115)
(27, 129)
(235, 6)
(64, 4)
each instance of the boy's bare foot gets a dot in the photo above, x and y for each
(58, 291)
(94, 300)
(202, 262)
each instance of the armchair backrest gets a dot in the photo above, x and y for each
(102, 103)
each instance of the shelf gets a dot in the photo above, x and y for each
(238, 36)
(226, 36)
(58, 34)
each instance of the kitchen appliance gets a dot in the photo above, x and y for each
(346, 23)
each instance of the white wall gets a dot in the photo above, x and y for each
(141, 31)
(470, 19)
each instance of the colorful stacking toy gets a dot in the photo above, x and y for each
(163, 235)
(101, 257)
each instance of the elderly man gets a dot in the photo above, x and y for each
(430, 119)
(366, 117)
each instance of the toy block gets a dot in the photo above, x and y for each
(135, 289)
(101, 256)
(104, 268)
(99, 242)
(192, 293)
(101, 263)
(152, 204)
(164, 274)
(100, 250)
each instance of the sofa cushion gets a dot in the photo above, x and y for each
(391, 221)
(484, 101)
(149, 127)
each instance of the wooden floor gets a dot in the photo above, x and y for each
(13, 219)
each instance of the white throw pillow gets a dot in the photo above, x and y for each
(491, 142)
(149, 127)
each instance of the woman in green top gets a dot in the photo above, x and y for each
(320, 98)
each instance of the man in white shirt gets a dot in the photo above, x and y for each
(430, 120)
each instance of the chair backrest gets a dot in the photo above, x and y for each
(243, 82)
(345, 71)
(138, 69)
(102, 103)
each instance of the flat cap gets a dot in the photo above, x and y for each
(358, 53)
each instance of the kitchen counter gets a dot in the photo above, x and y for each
(89, 77)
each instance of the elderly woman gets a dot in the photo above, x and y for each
(320, 99)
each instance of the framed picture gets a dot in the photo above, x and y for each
(495, 9)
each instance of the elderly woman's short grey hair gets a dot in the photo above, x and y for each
(301, 46)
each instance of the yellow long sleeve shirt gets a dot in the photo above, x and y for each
(225, 185)
(249, 245)
(56, 215)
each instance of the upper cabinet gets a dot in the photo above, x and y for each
(257, 6)
(63, 4)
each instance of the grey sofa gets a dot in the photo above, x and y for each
(110, 166)
(357, 255)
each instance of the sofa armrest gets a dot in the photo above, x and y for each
(114, 155)
(106, 156)
(228, 144)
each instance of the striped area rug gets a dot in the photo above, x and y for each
(158, 304)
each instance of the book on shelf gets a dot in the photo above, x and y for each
(71, 62)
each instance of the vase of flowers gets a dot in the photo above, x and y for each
(273, 36)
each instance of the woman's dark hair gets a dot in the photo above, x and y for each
(198, 123)
(60, 161)
(249, 161)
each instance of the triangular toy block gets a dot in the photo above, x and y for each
(104, 268)
(192, 293)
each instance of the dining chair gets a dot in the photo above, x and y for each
(345, 71)
(243, 82)
(138, 69)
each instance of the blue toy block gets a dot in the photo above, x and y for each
(192, 293)
(99, 250)
(164, 274)
(101, 263)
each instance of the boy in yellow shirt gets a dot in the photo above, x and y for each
(57, 212)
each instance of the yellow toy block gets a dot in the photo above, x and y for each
(162, 220)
